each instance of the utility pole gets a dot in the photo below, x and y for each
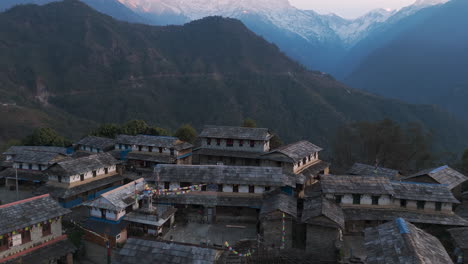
(17, 192)
(108, 250)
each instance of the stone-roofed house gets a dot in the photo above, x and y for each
(400, 242)
(441, 175)
(324, 224)
(29, 163)
(143, 152)
(274, 205)
(369, 170)
(367, 201)
(95, 144)
(77, 180)
(224, 187)
(136, 250)
(460, 239)
(31, 232)
(228, 145)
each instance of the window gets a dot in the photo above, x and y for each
(94, 174)
(338, 198)
(40, 167)
(308, 157)
(4, 243)
(304, 161)
(356, 199)
(420, 205)
(140, 148)
(81, 177)
(251, 189)
(46, 229)
(252, 143)
(150, 149)
(241, 143)
(160, 150)
(25, 236)
(375, 200)
(21, 166)
(203, 188)
(208, 141)
(106, 170)
(403, 203)
(438, 206)
(103, 213)
(267, 188)
(59, 178)
(167, 185)
(218, 142)
(120, 146)
(30, 166)
(220, 188)
(230, 143)
(172, 151)
(235, 188)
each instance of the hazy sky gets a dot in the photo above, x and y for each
(348, 8)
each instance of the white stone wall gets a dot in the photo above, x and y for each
(447, 207)
(312, 158)
(386, 200)
(26, 166)
(347, 199)
(366, 199)
(260, 146)
(227, 188)
(89, 148)
(120, 214)
(96, 212)
(259, 189)
(243, 188)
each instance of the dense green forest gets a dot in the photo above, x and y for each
(70, 68)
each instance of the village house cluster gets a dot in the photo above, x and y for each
(228, 197)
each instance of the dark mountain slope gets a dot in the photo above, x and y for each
(427, 63)
(211, 71)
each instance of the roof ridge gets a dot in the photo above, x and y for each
(24, 200)
(122, 187)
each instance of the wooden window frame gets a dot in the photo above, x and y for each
(26, 236)
(46, 229)
(420, 205)
(375, 199)
(438, 206)
(355, 198)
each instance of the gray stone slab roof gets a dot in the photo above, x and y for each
(400, 242)
(423, 192)
(137, 250)
(83, 164)
(97, 142)
(227, 153)
(315, 169)
(58, 192)
(154, 157)
(385, 214)
(20, 149)
(279, 202)
(443, 175)
(369, 170)
(317, 207)
(24, 175)
(38, 157)
(119, 198)
(47, 254)
(151, 219)
(460, 236)
(153, 141)
(28, 212)
(220, 174)
(228, 132)
(297, 151)
(347, 184)
(215, 199)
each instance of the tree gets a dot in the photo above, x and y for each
(248, 122)
(107, 130)
(464, 163)
(135, 127)
(186, 133)
(157, 131)
(45, 137)
(275, 141)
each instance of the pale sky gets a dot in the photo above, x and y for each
(349, 8)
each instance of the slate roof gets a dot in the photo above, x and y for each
(386, 214)
(37, 157)
(119, 198)
(215, 199)
(220, 174)
(27, 212)
(135, 250)
(279, 202)
(347, 184)
(24, 175)
(97, 142)
(158, 158)
(315, 169)
(423, 192)
(227, 153)
(319, 206)
(399, 241)
(460, 235)
(58, 192)
(297, 151)
(47, 254)
(151, 219)
(443, 175)
(369, 170)
(20, 149)
(228, 132)
(153, 141)
(83, 164)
